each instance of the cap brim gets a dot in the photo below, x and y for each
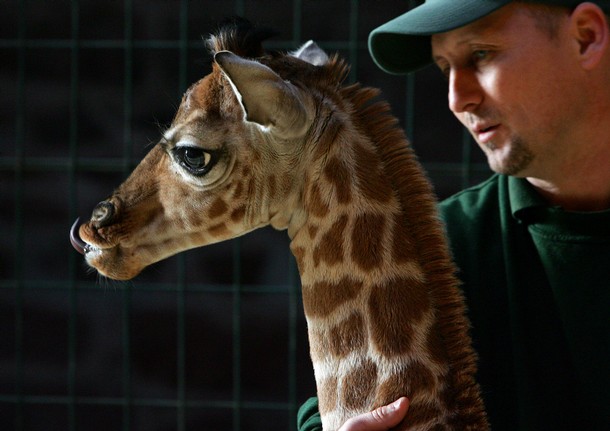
(402, 45)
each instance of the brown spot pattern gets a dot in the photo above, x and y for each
(218, 230)
(246, 172)
(314, 203)
(330, 248)
(239, 189)
(348, 336)
(435, 346)
(367, 240)
(395, 307)
(339, 176)
(312, 230)
(218, 208)
(321, 298)
(415, 379)
(331, 129)
(238, 213)
(372, 182)
(299, 254)
(359, 384)
(403, 249)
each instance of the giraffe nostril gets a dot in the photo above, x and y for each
(103, 214)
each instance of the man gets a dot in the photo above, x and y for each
(531, 82)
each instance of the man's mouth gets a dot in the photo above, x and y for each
(484, 133)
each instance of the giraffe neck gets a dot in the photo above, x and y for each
(378, 287)
(368, 310)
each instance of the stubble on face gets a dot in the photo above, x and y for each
(517, 159)
(509, 155)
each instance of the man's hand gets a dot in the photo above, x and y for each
(381, 419)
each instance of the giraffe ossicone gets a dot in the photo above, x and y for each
(278, 139)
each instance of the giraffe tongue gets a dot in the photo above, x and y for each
(79, 245)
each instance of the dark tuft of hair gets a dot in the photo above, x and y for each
(239, 36)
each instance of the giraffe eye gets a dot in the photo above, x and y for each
(195, 160)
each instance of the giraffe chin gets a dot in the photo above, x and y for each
(111, 262)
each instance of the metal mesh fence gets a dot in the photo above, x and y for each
(213, 339)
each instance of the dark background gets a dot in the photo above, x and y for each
(213, 339)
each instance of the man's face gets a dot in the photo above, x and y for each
(513, 86)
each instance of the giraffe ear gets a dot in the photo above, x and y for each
(274, 104)
(311, 53)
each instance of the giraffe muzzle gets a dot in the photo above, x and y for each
(103, 215)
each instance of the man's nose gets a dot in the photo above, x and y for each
(465, 92)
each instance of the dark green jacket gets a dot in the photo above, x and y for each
(537, 284)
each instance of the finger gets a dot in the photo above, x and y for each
(380, 419)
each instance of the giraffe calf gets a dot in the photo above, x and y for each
(277, 139)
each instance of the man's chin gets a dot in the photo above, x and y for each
(514, 161)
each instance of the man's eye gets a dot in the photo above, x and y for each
(195, 160)
(480, 54)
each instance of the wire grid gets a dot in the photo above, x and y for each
(25, 402)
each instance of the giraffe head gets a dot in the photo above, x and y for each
(227, 165)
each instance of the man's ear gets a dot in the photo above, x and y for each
(590, 29)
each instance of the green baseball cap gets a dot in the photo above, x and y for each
(402, 45)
